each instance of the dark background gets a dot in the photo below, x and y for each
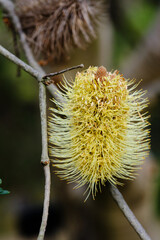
(126, 40)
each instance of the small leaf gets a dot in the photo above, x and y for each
(3, 192)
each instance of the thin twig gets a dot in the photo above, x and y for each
(46, 203)
(129, 214)
(9, 7)
(36, 74)
(43, 114)
(62, 71)
(20, 63)
(44, 159)
(47, 80)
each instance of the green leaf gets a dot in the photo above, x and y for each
(2, 191)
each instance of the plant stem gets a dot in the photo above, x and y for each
(62, 71)
(117, 196)
(46, 203)
(21, 63)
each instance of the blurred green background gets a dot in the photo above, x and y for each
(121, 37)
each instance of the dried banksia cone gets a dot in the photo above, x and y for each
(54, 27)
(100, 132)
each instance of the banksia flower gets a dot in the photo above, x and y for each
(53, 27)
(100, 132)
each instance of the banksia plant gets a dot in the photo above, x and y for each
(54, 27)
(100, 133)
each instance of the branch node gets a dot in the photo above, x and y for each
(47, 81)
(45, 162)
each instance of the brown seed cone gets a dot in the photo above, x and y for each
(53, 27)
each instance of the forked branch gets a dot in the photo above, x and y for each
(42, 103)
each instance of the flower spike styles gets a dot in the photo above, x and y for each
(100, 133)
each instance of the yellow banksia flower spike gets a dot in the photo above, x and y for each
(100, 133)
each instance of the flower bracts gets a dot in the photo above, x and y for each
(54, 27)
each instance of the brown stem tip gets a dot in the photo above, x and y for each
(46, 79)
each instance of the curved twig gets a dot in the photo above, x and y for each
(117, 196)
